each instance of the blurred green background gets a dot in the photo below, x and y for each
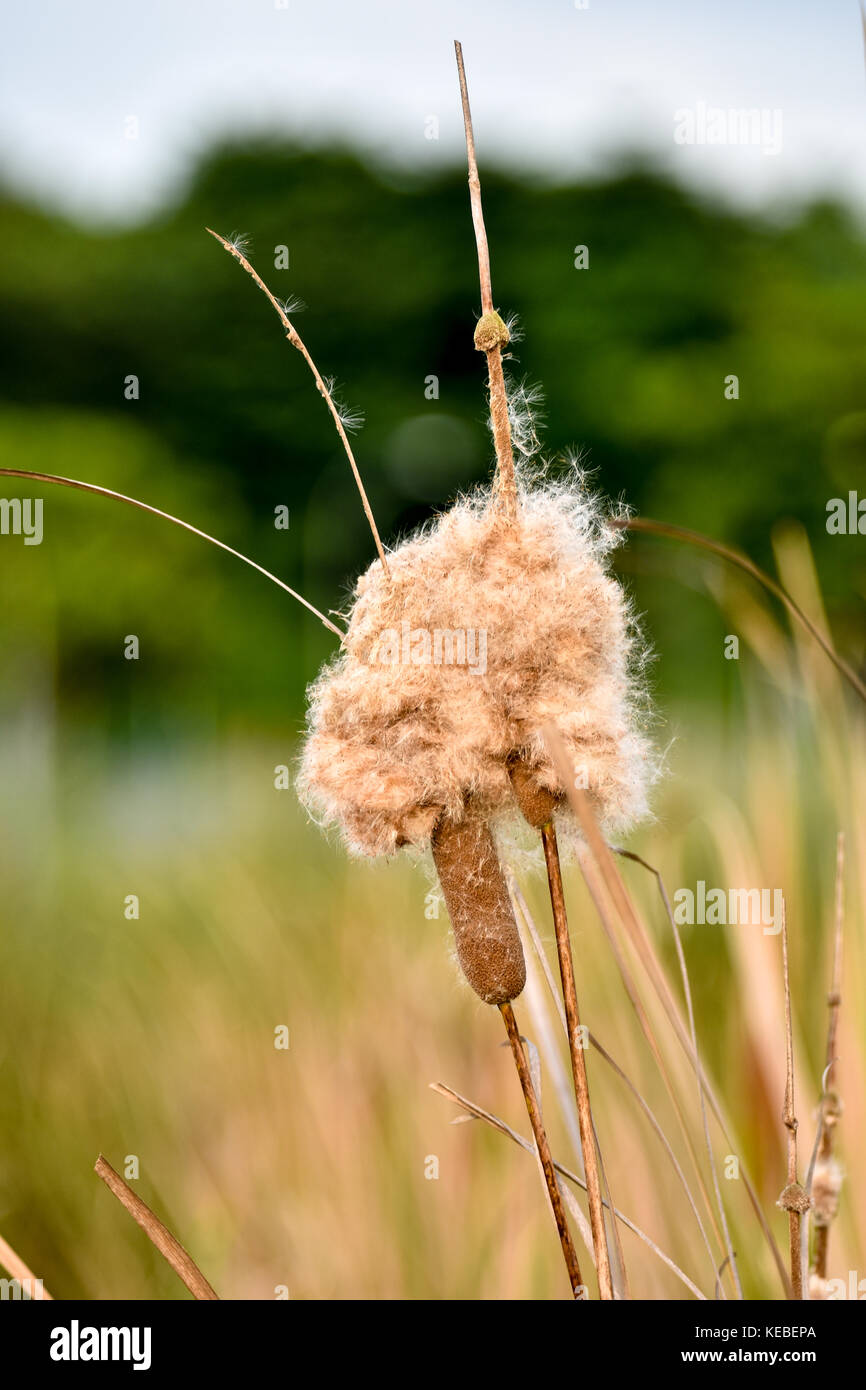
(155, 777)
(632, 355)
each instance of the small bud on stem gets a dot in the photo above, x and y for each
(537, 804)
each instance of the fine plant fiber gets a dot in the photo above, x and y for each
(399, 733)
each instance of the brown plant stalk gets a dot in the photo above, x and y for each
(593, 872)
(578, 1060)
(529, 923)
(565, 1087)
(296, 341)
(731, 1259)
(478, 1113)
(538, 807)
(170, 1249)
(13, 1262)
(488, 941)
(826, 1179)
(543, 1149)
(601, 858)
(794, 1199)
(600, 896)
(491, 334)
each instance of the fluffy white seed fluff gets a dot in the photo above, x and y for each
(485, 632)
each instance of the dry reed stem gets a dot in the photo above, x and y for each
(529, 922)
(834, 999)
(687, 991)
(564, 1084)
(527, 928)
(736, 557)
(601, 900)
(599, 890)
(618, 1269)
(830, 1109)
(543, 1150)
(595, 884)
(578, 1061)
(602, 856)
(296, 341)
(794, 1200)
(166, 516)
(12, 1262)
(491, 334)
(478, 1113)
(170, 1249)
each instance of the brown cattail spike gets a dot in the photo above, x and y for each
(485, 932)
(537, 804)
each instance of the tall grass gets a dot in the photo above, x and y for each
(307, 1168)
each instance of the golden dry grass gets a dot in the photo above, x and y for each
(306, 1168)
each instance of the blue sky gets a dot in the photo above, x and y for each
(556, 88)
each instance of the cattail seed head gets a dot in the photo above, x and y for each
(537, 803)
(484, 632)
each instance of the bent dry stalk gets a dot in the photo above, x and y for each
(11, 1261)
(322, 386)
(538, 807)
(825, 1174)
(171, 1249)
(795, 1199)
(545, 1158)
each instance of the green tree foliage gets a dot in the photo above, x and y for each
(633, 354)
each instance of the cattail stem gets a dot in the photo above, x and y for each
(545, 1157)
(599, 869)
(578, 1061)
(171, 1250)
(537, 805)
(13, 1262)
(794, 1199)
(826, 1181)
(491, 334)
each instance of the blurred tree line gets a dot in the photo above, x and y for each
(632, 353)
